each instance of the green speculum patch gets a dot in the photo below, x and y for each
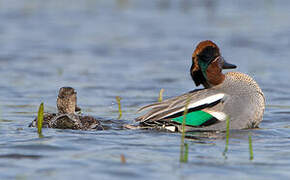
(195, 118)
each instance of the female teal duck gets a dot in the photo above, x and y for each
(68, 116)
(233, 95)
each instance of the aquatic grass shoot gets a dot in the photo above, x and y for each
(118, 98)
(184, 155)
(251, 147)
(123, 159)
(160, 98)
(40, 119)
(227, 137)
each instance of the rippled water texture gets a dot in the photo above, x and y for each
(133, 49)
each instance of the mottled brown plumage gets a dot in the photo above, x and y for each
(66, 100)
(67, 118)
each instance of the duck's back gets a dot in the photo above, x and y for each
(238, 97)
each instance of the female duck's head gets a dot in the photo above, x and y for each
(66, 100)
(207, 65)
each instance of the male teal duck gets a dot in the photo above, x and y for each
(233, 95)
(68, 116)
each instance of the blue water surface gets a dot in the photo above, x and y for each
(132, 49)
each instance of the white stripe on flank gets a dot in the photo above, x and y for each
(218, 115)
(170, 128)
(207, 100)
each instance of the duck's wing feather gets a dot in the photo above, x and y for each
(200, 102)
(172, 101)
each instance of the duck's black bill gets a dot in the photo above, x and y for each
(227, 65)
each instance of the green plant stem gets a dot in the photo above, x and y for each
(186, 152)
(181, 158)
(161, 95)
(119, 106)
(227, 136)
(40, 119)
(251, 147)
